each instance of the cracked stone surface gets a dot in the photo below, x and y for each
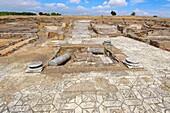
(117, 91)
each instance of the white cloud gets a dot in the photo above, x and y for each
(83, 9)
(61, 5)
(55, 6)
(101, 7)
(65, 10)
(140, 12)
(50, 4)
(105, 3)
(117, 3)
(75, 1)
(19, 5)
(108, 5)
(105, 8)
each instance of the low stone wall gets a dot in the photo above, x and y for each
(17, 35)
(16, 46)
(165, 45)
(12, 43)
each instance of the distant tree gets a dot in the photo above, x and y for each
(40, 13)
(47, 14)
(43, 13)
(155, 16)
(53, 14)
(58, 14)
(113, 13)
(133, 14)
(27, 13)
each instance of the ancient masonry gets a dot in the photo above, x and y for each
(84, 65)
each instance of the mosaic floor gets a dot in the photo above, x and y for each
(117, 91)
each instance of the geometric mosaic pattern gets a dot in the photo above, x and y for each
(128, 96)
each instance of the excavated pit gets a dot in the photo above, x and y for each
(15, 30)
(82, 60)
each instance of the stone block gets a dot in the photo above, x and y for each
(34, 67)
(34, 70)
(132, 63)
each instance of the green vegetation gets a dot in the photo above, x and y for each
(42, 13)
(17, 13)
(47, 14)
(155, 16)
(133, 14)
(28, 13)
(55, 14)
(113, 13)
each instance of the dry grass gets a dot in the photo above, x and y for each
(88, 17)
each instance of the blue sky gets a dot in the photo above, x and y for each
(90, 7)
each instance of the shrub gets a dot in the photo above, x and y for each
(53, 14)
(47, 14)
(133, 14)
(43, 13)
(113, 13)
(40, 13)
(58, 14)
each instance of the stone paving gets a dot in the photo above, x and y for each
(117, 91)
(107, 92)
(81, 30)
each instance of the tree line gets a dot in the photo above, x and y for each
(16, 13)
(48, 14)
(29, 13)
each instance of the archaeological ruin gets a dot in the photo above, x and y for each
(84, 64)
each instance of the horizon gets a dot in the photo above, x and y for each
(160, 8)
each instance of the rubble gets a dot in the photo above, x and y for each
(96, 50)
(106, 60)
(108, 42)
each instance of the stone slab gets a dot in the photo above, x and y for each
(106, 60)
